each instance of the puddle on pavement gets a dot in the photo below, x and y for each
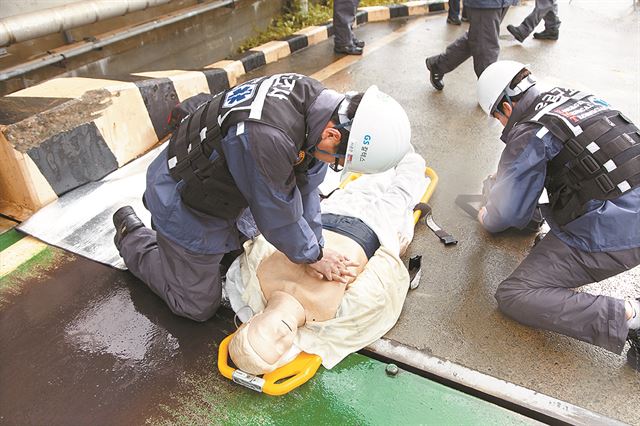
(85, 343)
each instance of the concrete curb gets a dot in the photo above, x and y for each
(66, 132)
(553, 409)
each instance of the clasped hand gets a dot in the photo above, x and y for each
(333, 267)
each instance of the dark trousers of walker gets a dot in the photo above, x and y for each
(344, 12)
(480, 42)
(546, 10)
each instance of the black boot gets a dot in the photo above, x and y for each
(453, 20)
(434, 77)
(547, 35)
(515, 32)
(633, 354)
(348, 50)
(125, 221)
(358, 43)
(464, 17)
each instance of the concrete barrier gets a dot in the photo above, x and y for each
(65, 132)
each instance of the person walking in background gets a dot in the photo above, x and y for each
(344, 41)
(546, 10)
(453, 17)
(479, 42)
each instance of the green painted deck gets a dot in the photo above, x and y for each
(356, 392)
(10, 237)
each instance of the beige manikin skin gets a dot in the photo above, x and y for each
(320, 298)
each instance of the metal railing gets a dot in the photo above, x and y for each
(99, 43)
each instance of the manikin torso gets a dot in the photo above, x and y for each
(320, 298)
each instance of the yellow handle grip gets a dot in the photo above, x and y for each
(291, 375)
(433, 182)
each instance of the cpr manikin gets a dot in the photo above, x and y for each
(370, 222)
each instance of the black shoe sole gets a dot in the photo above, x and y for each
(354, 51)
(539, 36)
(125, 221)
(632, 359)
(437, 83)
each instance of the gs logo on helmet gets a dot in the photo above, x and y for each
(364, 148)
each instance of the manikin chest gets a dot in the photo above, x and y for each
(320, 298)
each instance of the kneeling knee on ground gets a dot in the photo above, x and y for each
(511, 297)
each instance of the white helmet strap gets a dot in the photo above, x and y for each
(522, 87)
(345, 122)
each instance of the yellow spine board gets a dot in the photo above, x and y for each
(304, 367)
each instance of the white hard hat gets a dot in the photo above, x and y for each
(494, 82)
(380, 134)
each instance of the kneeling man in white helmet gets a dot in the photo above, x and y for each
(258, 150)
(371, 222)
(587, 156)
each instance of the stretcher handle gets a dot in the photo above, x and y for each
(433, 182)
(428, 171)
(290, 376)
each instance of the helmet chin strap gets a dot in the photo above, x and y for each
(336, 165)
(337, 157)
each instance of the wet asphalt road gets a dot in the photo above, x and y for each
(83, 343)
(453, 314)
(94, 341)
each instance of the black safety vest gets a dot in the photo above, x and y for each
(195, 154)
(600, 158)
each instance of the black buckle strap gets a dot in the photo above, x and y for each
(203, 121)
(604, 183)
(605, 186)
(571, 150)
(423, 208)
(426, 212)
(626, 171)
(612, 148)
(173, 151)
(574, 147)
(446, 238)
(589, 164)
(592, 133)
(596, 130)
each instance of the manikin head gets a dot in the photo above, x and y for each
(501, 85)
(261, 344)
(368, 133)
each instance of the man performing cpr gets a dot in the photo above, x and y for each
(260, 148)
(371, 222)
